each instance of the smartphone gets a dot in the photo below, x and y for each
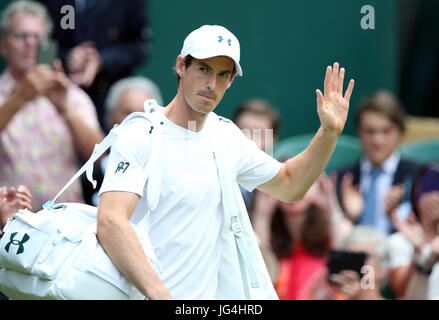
(340, 260)
(47, 52)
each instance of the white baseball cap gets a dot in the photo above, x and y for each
(212, 41)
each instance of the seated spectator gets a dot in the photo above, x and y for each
(347, 285)
(415, 247)
(372, 187)
(125, 96)
(260, 122)
(44, 119)
(300, 234)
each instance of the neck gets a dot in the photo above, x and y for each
(181, 113)
(16, 73)
(294, 225)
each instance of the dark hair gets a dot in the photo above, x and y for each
(385, 103)
(423, 181)
(260, 107)
(188, 61)
(315, 233)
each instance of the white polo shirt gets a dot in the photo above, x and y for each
(185, 227)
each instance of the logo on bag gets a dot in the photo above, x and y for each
(122, 166)
(18, 243)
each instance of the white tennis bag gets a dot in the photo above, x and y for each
(54, 253)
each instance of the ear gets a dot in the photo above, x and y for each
(179, 66)
(231, 81)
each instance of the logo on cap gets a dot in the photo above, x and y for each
(220, 40)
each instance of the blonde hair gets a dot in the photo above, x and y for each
(27, 7)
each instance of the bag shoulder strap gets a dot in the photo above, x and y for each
(232, 213)
(106, 143)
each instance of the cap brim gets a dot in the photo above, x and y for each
(207, 55)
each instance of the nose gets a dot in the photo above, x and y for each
(32, 40)
(211, 84)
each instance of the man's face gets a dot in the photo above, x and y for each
(379, 136)
(205, 81)
(20, 45)
(257, 128)
(131, 100)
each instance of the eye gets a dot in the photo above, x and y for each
(226, 75)
(202, 69)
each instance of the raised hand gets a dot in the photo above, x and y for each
(393, 198)
(351, 197)
(12, 200)
(411, 229)
(332, 106)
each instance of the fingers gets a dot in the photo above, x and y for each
(340, 81)
(319, 98)
(23, 198)
(24, 190)
(327, 84)
(348, 93)
(334, 80)
(3, 192)
(347, 180)
(11, 194)
(333, 177)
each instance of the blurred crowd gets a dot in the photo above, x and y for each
(369, 230)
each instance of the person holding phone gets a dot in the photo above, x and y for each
(345, 277)
(45, 121)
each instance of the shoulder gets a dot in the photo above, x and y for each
(408, 166)
(223, 124)
(134, 136)
(398, 242)
(80, 101)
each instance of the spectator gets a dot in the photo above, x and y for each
(108, 40)
(373, 186)
(260, 122)
(125, 96)
(347, 284)
(415, 248)
(300, 234)
(44, 119)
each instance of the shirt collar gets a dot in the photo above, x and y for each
(7, 82)
(389, 166)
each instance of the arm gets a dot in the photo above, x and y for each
(37, 81)
(298, 173)
(122, 246)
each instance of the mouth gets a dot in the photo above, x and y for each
(207, 97)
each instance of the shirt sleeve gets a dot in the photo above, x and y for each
(128, 158)
(253, 166)
(80, 102)
(400, 251)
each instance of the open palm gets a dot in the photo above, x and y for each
(332, 106)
